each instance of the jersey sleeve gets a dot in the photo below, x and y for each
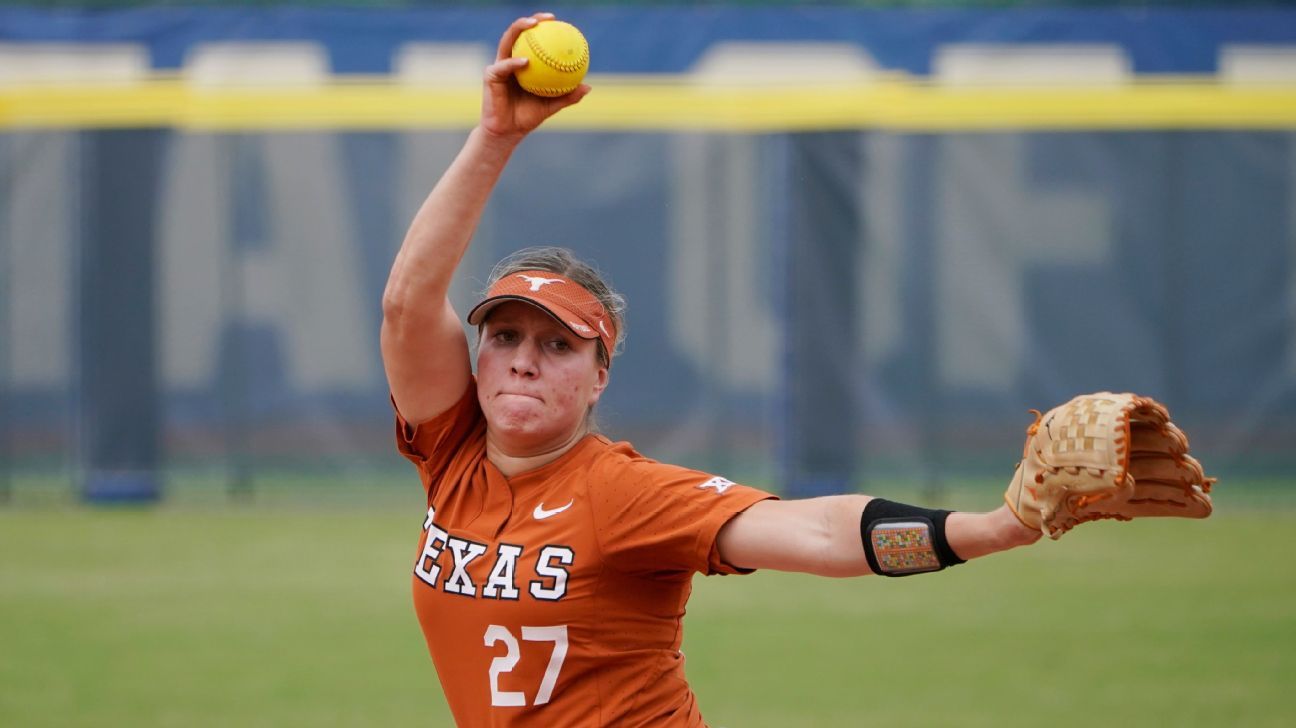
(651, 517)
(432, 445)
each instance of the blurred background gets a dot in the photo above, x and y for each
(859, 240)
(858, 243)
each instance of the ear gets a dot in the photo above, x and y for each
(600, 384)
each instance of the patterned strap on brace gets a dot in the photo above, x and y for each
(900, 540)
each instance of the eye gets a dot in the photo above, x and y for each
(504, 336)
(560, 345)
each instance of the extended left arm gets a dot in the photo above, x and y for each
(822, 535)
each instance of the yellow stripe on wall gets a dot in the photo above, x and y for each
(620, 103)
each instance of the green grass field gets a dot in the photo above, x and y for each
(270, 616)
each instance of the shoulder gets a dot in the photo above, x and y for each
(618, 459)
(618, 466)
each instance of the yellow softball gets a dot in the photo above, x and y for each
(559, 58)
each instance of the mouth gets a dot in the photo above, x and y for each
(520, 394)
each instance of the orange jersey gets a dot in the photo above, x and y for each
(555, 597)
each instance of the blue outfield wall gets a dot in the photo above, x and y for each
(881, 304)
(671, 39)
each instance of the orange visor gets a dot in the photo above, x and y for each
(559, 296)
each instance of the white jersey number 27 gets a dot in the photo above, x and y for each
(506, 662)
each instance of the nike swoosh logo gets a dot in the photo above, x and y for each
(541, 514)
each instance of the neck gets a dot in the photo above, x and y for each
(513, 459)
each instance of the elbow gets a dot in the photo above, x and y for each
(393, 305)
(397, 304)
(840, 547)
(398, 318)
(826, 554)
(407, 299)
(841, 567)
(395, 293)
(405, 314)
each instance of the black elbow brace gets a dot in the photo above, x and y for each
(900, 540)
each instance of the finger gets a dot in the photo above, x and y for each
(502, 69)
(572, 97)
(511, 35)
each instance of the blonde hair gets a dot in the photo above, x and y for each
(563, 262)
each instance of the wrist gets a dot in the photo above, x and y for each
(1010, 530)
(498, 142)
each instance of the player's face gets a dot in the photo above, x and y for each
(536, 380)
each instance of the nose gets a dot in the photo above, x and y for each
(525, 360)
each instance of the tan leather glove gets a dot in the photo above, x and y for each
(1106, 455)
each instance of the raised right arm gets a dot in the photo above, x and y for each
(424, 350)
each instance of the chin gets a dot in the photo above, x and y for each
(518, 423)
(523, 430)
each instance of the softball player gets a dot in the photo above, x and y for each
(554, 565)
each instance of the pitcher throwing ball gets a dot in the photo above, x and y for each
(554, 566)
